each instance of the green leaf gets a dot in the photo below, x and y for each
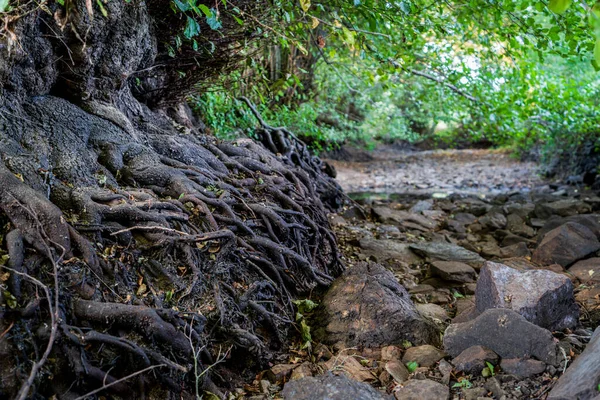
(559, 6)
(490, 366)
(102, 9)
(11, 300)
(3, 5)
(213, 21)
(205, 10)
(597, 51)
(412, 366)
(181, 5)
(305, 305)
(305, 4)
(191, 28)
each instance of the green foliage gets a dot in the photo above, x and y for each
(488, 370)
(304, 306)
(463, 384)
(3, 5)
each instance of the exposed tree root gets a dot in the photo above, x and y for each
(175, 244)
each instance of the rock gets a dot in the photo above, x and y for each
(493, 220)
(590, 221)
(354, 212)
(264, 386)
(302, 371)
(490, 249)
(544, 298)
(329, 387)
(506, 333)
(587, 271)
(475, 393)
(391, 353)
(350, 366)
(562, 208)
(397, 371)
(565, 245)
(384, 250)
(509, 238)
(473, 360)
(422, 205)
(367, 307)
(581, 379)
(422, 389)
(445, 369)
(337, 220)
(521, 210)
(494, 386)
(453, 271)
(279, 372)
(442, 251)
(401, 218)
(425, 356)
(522, 368)
(433, 312)
(516, 250)
(517, 225)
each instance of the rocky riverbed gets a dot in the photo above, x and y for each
(491, 293)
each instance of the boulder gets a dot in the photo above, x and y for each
(433, 312)
(522, 368)
(453, 271)
(506, 333)
(473, 360)
(425, 356)
(517, 225)
(422, 389)
(565, 245)
(544, 298)
(590, 221)
(581, 379)
(443, 251)
(384, 250)
(587, 271)
(330, 387)
(366, 306)
(562, 208)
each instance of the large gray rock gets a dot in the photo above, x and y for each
(565, 245)
(504, 332)
(562, 208)
(581, 379)
(543, 297)
(422, 389)
(587, 271)
(590, 221)
(330, 387)
(366, 306)
(443, 251)
(384, 250)
(493, 220)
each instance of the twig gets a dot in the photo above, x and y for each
(443, 82)
(120, 380)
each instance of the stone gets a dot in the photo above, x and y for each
(516, 250)
(562, 208)
(506, 333)
(565, 245)
(366, 306)
(522, 368)
(397, 371)
(349, 365)
(443, 251)
(422, 205)
(521, 210)
(590, 221)
(493, 220)
(473, 360)
(264, 386)
(581, 379)
(544, 298)
(453, 271)
(475, 393)
(445, 369)
(425, 356)
(433, 312)
(302, 371)
(354, 212)
(384, 250)
(587, 271)
(401, 218)
(330, 387)
(422, 389)
(280, 372)
(391, 353)
(517, 225)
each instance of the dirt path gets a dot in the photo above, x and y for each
(395, 170)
